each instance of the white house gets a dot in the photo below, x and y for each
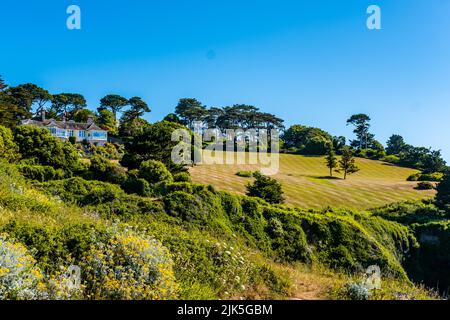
(88, 131)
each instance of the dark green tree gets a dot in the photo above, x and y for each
(338, 143)
(20, 97)
(66, 105)
(307, 140)
(395, 145)
(154, 171)
(443, 191)
(131, 120)
(153, 142)
(106, 120)
(39, 96)
(113, 102)
(38, 144)
(104, 170)
(433, 162)
(361, 122)
(331, 159)
(190, 110)
(10, 112)
(82, 115)
(266, 188)
(347, 163)
(8, 148)
(172, 117)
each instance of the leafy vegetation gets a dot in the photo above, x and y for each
(139, 228)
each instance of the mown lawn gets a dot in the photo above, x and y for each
(306, 183)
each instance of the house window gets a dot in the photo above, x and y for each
(60, 132)
(99, 135)
(53, 131)
(70, 133)
(82, 134)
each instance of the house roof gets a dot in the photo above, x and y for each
(70, 125)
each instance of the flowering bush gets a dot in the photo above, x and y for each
(19, 277)
(129, 266)
(234, 269)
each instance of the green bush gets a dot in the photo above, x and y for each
(391, 159)
(129, 266)
(165, 188)
(154, 171)
(41, 173)
(38, 144)
(265, 188)
(244, 174)
(424, 185)
(433, 177)
(182, 177)
(185, 206)
(20, 278)
(8, 149)
(138, 186)
(443, 192)
(414, 177)
(109, 151)
(104, 170)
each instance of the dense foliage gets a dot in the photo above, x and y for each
(266, 188)
(37, 144)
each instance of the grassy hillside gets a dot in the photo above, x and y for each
(306, 184)
(42, 225)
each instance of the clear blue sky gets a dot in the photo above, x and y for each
(309, 62)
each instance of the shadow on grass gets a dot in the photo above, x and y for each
(322, 177)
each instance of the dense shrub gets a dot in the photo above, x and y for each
(429, 263)
(185, 206)
(424, 185)
(154, 171)
(244, 174)
(41, 173)
(165, 188)
(357, 291)
(138, 186)
(434, 177)
(409, 213)
(182, 177)
(108, 151)
(8, 149)
(307, 140)
(265, 188)
(443, 191)
(20, 278)
(129, 267)
(391, 159)
(104, 170)
(153, 142)
(38, 143)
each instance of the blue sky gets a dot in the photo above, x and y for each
(309, 62)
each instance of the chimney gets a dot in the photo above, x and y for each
(90, 120)
(43, 115)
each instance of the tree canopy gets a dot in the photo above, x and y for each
(113, 102)
(153, 142)
(361, 122)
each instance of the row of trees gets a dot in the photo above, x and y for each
(239, 116)
(22, 101)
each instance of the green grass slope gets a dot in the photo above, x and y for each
(306, 183)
